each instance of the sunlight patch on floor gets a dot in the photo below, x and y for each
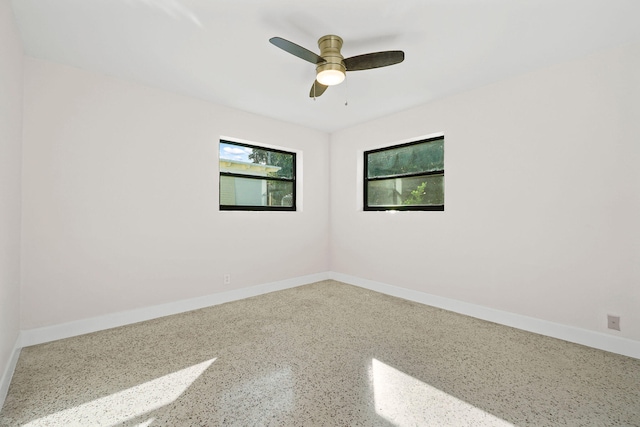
(262, 397)
(127, 404)
(406, 401)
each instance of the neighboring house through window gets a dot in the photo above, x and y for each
(256, 178)
(407, 176)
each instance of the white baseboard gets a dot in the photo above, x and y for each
(5, 381)
(611, 343)
(94, 324)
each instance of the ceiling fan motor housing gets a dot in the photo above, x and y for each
(330, 46)
(331, 66)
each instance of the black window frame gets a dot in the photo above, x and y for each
(291, 208)
(365, 204)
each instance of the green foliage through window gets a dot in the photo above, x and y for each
(284, 161)
(405, 177)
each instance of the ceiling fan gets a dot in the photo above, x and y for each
(331, 66)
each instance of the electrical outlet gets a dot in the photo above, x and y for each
(613, 322)
(227, 279)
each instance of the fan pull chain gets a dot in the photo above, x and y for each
(346, 89)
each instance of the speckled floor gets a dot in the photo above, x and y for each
(325, 354)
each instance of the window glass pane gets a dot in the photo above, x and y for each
(424, 157)
(255, 192)
(280, 193)
(253, 161)
(425, 190)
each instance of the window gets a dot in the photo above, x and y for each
(255, 178)
(405, 177)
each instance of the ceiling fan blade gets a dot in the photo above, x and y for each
(296, 50)
(374, 60)
(317, 89)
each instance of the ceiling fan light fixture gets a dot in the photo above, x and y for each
(330, 77)
(331, 71)
(331, 66)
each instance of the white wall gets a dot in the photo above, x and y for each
(120, 199)
(10, 166)
(541, 197)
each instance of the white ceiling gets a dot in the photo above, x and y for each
(218, 50)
